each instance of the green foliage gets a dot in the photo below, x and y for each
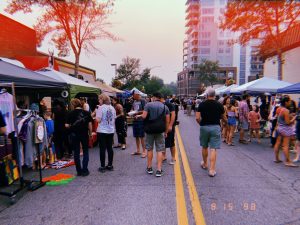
(262, 20)
(207, 72)
(154, 85)
(166, 91)
(129, 76)
(129, 70)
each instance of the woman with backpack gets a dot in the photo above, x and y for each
(79, 123)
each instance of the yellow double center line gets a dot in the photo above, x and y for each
(182, 215)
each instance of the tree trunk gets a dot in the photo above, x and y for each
(76, 65)
(280, 66)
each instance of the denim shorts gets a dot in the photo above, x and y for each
(231, 121)
(244, 125)
(210, 136)
(158, 140)
(138, 129)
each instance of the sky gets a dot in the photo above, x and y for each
(151, 30)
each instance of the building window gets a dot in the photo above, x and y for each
(205, 35)
(221, 50)
(227, 51)
(207, 19)
(206, 11)
(221, 43)
(261, 66)
(204, 42)
(204, 51)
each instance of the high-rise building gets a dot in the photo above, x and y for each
(205, 40)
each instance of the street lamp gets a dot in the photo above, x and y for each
(115, 65)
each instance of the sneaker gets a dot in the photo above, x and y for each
(172, 162)
(110, 168)
(101, 169)
(86, 173)
(149, 170)
(159, 173)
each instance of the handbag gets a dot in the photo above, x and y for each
(157, 125)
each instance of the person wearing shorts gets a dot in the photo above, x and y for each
(208, 115)
(243, 118)
(170, 139)
(153, 111)
(138, 124)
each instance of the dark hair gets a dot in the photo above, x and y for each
(245, 96)
(257, 108)
(225, 100)
(157, 95)
(284, 99)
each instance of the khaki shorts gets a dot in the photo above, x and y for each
(158, 140)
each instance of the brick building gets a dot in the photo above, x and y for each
(19, 42)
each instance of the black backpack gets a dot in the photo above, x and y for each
(157, 125)
(80, 122)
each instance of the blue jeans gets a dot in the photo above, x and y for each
(76, 139)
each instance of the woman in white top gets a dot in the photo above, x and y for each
(106, 115)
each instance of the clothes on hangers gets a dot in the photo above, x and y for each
(7, 107)
(32, 136)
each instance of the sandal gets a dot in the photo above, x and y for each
(212, 174)
(203, 166)
(144, 155)
(278, 161)
(136, 153)
(291, 165)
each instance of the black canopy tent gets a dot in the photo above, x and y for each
(27, 81)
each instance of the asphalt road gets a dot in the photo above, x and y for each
(249, 189)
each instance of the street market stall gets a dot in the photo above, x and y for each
(137, 91)
(108, 90)
(75, 86)
(218, 90)
(292, 89)
(262, 85)
(228, 89)
(27, 80)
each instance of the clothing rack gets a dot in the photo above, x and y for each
(39, 183)
(23, 183)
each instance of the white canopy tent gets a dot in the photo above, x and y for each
(262, 85)
(137, 91)
(228, 89)
(218, 90)
(75, 85)
(108, 90)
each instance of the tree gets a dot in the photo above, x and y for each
(165, 91)
(263, 20)
(172, 87)
(116, 84)
(129, 70)
(154, 85)
(74, 24)
(207, 71)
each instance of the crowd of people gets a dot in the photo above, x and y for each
(70, 129)
(221, 118)
(154, 120)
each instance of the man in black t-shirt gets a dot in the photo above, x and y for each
(208, 115)
(170, 139)
(2, 124)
